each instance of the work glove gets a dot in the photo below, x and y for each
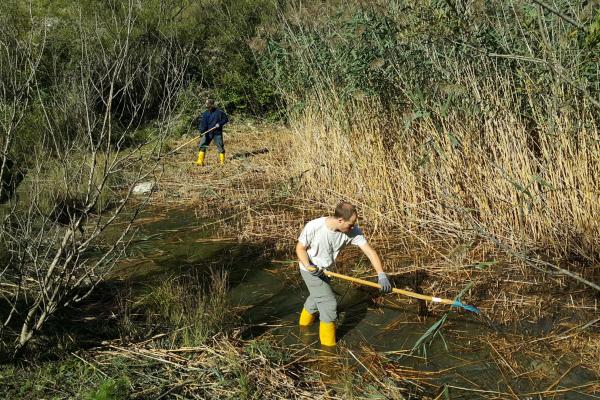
(316, 271)
(217, 125)
(384, 282)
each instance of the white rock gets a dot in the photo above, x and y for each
(143, 188)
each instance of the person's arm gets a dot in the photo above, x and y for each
(224, 118)
(305, 260)
(373, 257)
(203, 125)
(302, 255)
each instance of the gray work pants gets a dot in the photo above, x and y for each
(321, 298)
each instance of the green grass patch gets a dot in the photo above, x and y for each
(192, 307)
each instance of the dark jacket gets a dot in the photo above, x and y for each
(210, 118)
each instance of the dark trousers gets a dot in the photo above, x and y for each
(209, 137)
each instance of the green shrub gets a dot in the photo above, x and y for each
(63, 184)
(111, 389)
(193, 307)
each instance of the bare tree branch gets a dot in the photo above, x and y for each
(560, 14)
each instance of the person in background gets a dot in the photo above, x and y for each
(211, 128)
(317, 248)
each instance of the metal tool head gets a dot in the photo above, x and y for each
(467, 307)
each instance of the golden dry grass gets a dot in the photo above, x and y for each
(458, 179)
(214, 189)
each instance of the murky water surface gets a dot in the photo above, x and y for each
(469, 354)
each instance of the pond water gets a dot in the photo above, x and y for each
(474, 358)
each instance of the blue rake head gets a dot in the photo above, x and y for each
(473, 309)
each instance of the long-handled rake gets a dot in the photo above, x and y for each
(454, 303)
(195, 138)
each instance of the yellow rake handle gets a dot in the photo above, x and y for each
(189, 141)
(399, 291)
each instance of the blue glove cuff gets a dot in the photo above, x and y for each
(381, 275)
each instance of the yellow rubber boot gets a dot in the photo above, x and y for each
(200, 160)
(327, 333)
(221, 158)
(306, 318)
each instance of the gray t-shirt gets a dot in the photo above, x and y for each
(323, 244)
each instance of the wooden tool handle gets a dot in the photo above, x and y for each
(189, 141)
(399, 291)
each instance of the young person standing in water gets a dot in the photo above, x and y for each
(317, 248)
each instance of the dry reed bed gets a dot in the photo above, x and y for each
(214, 370)
(230, 368)
(221, 368)
(459, 178)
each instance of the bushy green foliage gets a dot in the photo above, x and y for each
(412, 55)
(226, 29)
(347, 54)
(111, 389)
(70, 377)
(592, 37)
